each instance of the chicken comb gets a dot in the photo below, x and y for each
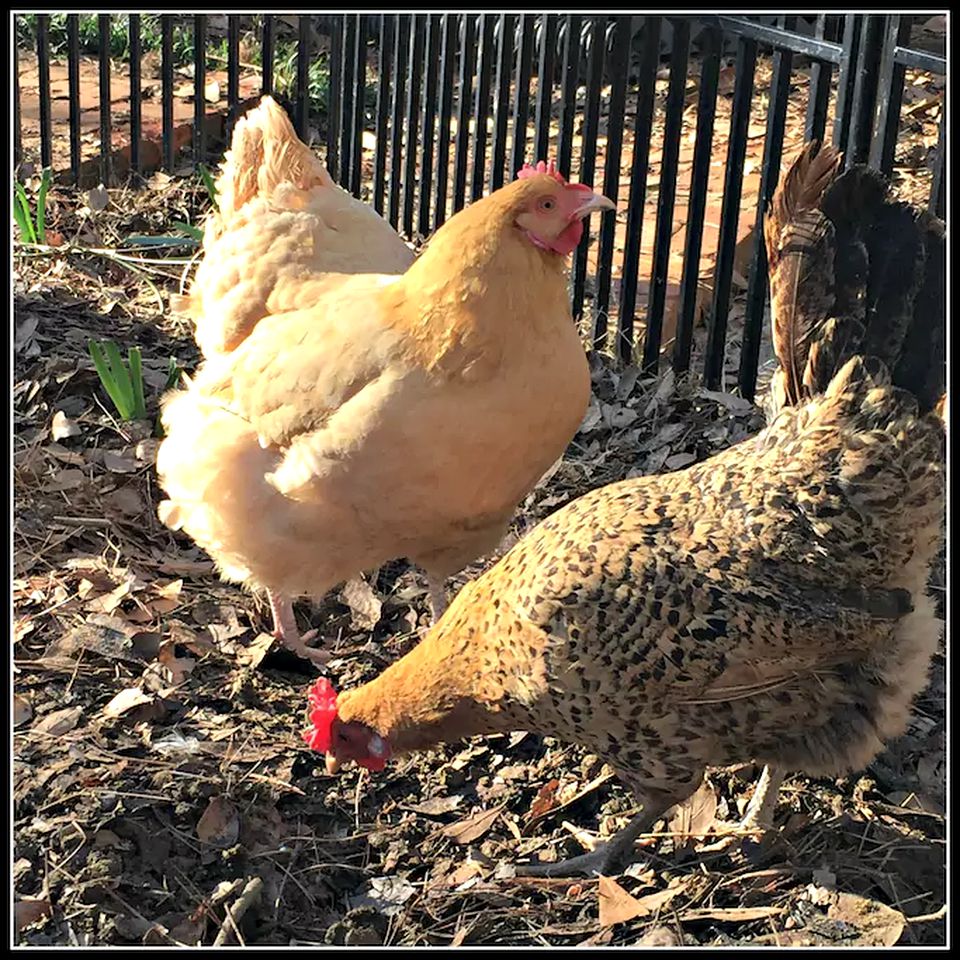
(322, 700)
(549, 168)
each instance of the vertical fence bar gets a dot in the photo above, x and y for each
(233, 63)
(396, 122)
(429, 121)
(889, 94)
(303, 77)
(770, 174)
(73, 88)
(133, 23)
(521, 97)
(482, 104)
(468, 52)
(166, 87)
(502, 101)
(818, 99)
(348, 62)
(588, 154)
(666, 195)
(639, 168)
(199, 87)
(730, 212)
(334, 93)
(568, 106)
(545, 74)
(17, 141)
(865, 91)
(103, 49)
(266, 54)
(388, 37)
(619, 57)
(938, 189)
(357, 121)
(43, 81)
(847, 77)
(414, 81)
(447, 64)
(712, 42)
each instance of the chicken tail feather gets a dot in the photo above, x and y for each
(853, 272)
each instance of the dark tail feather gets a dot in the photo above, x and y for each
(853, 271)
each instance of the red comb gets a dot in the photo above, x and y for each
(322, 699)
(529, 170)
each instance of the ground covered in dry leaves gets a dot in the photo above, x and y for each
(163, 795)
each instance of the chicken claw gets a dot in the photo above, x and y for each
(758, 817)
(606, 859)
(286, 631)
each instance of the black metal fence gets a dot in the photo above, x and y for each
(455, 103)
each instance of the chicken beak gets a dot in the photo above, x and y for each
(332, 764)
(594, 203)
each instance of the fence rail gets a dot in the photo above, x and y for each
(455, 103)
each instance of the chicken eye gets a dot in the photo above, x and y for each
(547, 204)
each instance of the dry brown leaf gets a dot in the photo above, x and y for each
(364, 604)
(59, 722)
(731, 914)
(98, 198)
(29, 911)
(695, 815)
(473, 827)
(63, 427)
(68, 479)
(618, 906)
(252, 654)
(220, 824)
(545, 801)
(22, 711)
(117, 464)
(879, 925)
(437, 806)
(126, 700)
(109, 602)
(126, 500)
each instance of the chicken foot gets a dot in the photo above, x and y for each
(286, 631)
(758, 817)
(604, 859)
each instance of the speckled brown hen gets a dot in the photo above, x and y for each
(768, 604)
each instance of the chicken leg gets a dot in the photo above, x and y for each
(758, 817)
(286, 631)
(607, 857)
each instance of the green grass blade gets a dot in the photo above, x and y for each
(160, 242)
(207, 179)
(173, 374)
(21, 210)
(122, 380)
(106, 375)
(136, 382)
(191, 231)
(42, 204)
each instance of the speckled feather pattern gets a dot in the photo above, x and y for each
(768, 604)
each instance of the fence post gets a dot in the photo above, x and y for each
(847, 76)
(889, 94)
(865, 90)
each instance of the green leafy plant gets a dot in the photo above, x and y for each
(124, 385)
(32, 229)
